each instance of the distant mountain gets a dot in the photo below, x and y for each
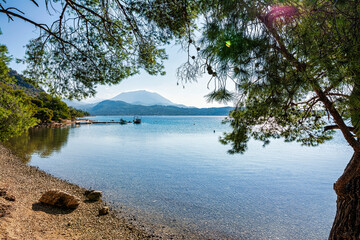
(143, 98)
(79, 105)
(109, 107)
(144, 103)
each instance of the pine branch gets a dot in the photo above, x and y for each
(332, 127)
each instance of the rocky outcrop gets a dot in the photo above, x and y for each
(60, 199)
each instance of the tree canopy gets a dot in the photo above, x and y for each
(98, 42)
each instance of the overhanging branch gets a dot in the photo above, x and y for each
(332, 127)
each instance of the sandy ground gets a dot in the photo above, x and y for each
(26, 218)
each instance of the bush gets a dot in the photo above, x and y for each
(44, 115)
(16, 113)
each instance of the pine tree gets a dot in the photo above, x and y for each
(295, 65)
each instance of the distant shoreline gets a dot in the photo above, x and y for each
(64, 123)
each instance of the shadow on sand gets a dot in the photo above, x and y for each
(51, 209)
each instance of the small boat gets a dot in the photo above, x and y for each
(136, 120)
(122, 121)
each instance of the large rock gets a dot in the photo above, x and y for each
(60, 199)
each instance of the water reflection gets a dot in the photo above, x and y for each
(43, 141)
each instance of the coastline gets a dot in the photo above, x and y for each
(26, 218)
(63, 123)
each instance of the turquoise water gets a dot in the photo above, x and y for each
(174, 173)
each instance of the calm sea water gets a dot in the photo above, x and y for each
(172, 172)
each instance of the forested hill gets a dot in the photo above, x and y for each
(20, 83)
(109, 107)
(41, 107)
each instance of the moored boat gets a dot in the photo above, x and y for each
(137, 120)
(122, 121)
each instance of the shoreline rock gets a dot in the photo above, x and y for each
(60, 199)
(93, 195)
(104, 211)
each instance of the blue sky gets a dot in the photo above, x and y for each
(15, 36)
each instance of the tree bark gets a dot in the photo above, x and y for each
(346, 225)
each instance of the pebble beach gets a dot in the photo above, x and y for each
(22, 216)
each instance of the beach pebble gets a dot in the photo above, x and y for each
(104, 211)
(4, 210)
(10, 198)
(60, 199)
(3, 192)
(93, 195)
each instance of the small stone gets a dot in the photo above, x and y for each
(2, 192)
(10, 198)
(4, 210)
(104, 211)
(93, 195)
(60, 199)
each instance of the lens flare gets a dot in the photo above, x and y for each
(281, 14)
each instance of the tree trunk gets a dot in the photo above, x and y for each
(346, 225)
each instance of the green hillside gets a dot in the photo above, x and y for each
(24, 84)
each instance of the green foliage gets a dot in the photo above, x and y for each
(22, 83)
(281, 54)
(45, 115)
(354, 109)
(96, 43)
(37, 102)
(220, 95)
(16, 110)
(102, 42)
(4, 61)
(75, 113)
(59, 110)
(16, 113)
(167, 18)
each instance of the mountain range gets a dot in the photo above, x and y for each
(144, 103)
(143, 98)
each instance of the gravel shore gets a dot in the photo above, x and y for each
(26, 218)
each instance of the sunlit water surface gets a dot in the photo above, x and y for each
(173, 172)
